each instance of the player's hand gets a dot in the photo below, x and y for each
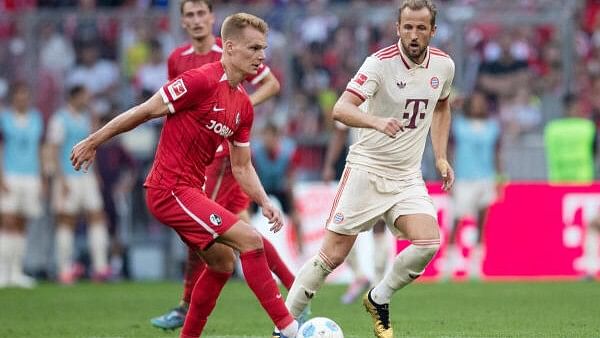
(446, 172)
(389, 126)
(273, 215)
(82, 155)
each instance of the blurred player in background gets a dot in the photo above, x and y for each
(476, 146)
(407, 87)
(342, 135)
(207, 106)
(571, 148)
(74, 192)
(21, 127)
(197, 18)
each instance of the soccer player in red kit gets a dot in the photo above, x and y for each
(197, 19)
(204, 107)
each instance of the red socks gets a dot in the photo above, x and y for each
(277, 265)
(259, 279)
(203, 300)
(194, 267)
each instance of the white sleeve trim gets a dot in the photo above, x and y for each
(166, 100)
(241, 144)
(266, 71)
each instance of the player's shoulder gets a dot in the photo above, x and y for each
(183, 50)
(440, 57)
(387, 53)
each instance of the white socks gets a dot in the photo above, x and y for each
(64, 248)
(590, 251)
(12, 252)
(18, 254)
(408, 266)
(308, 281)
(291, 330)
(5, 258)
(97, 237)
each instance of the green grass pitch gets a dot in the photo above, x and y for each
(560, 309)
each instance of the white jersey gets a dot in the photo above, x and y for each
(393, 86)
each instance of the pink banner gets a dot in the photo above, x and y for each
(533, 230)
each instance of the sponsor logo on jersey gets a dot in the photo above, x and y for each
(338, 218)
(219, 128)
(215, 219)
(217, 109)
(434, 82)
(177, 89)
(361, 78)
(237, 118)
(401, 84)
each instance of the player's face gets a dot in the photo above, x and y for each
(21, 99)
(415, 31)
(248, 51)
(197, 20)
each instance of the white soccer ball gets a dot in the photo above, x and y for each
(320, 327)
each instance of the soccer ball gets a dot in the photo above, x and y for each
(320, 327)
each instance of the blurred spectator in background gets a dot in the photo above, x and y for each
(275, 157)
(151, 75)
(521, 113)
(21, 127)
(501, 72)
(476, 139)
(571, 146)
(76, 192)
(99, 76)
(117, 170)
(343, 135)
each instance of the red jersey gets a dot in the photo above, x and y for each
(185, 58)
(204, 111)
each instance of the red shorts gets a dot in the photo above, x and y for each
(196, 218)
(222, 187)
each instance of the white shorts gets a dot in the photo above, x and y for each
(83, 195)
(363, 198)
(471, 196)
(23, 196)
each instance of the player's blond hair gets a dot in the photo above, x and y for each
(208, 3)
(415, 5)
(235, 23)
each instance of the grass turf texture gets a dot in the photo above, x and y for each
(565, 309)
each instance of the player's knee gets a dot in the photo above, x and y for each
(426, 248)
(252, 240)
(224, 262)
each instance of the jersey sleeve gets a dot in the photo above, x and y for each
(241, 138)
(448, 83)
(367, 80)
(262, 72)
(186, 90)
(171, 69)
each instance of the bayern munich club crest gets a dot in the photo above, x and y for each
(434, 82)
(338, 218)
(215, 219)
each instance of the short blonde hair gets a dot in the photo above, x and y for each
(235, 23)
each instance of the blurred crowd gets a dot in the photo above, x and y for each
(116, 50)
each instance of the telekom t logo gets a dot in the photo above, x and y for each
(589, 204)
(415, 111)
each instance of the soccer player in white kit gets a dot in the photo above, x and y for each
(406, 87)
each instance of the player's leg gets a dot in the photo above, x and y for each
(245, 239)
(486, 190)
(422, 230)
(360, 281)
(66, 204)
(220, 261)
(8, 231)
(591, 246)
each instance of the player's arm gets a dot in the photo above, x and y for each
(347, 111)
(83, 153)
(245, 175)
(267, 88)
(334, 149)
(440, 130)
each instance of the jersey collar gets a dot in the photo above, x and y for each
(408, 62)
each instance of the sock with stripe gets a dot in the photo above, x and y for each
(203, 300)
(408, 266)
(277, 265)
(259, 279)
